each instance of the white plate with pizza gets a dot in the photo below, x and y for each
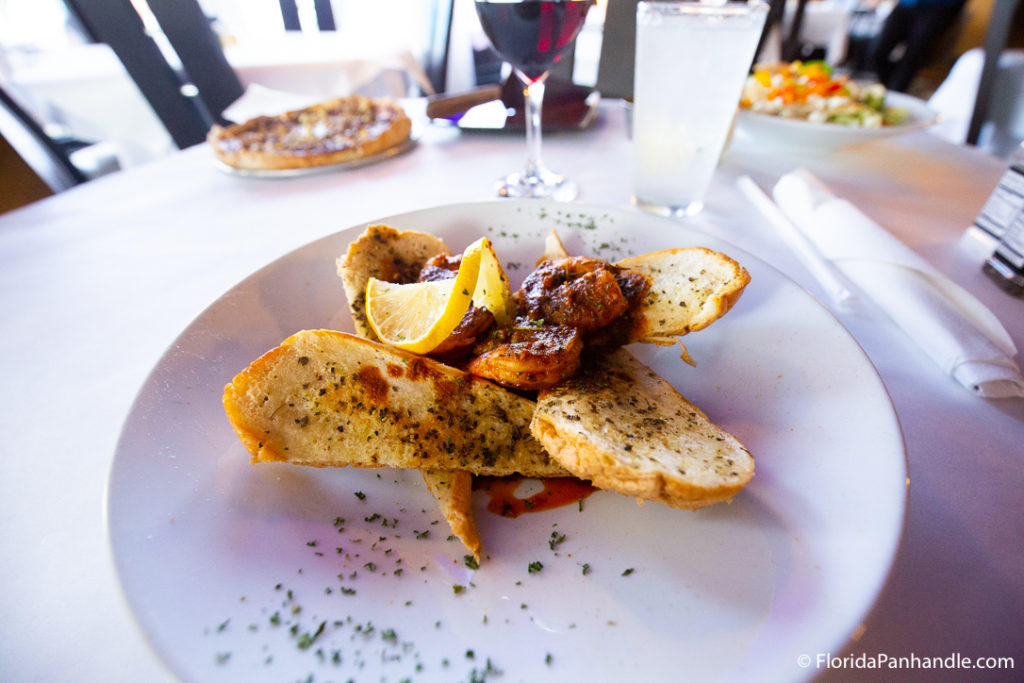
(275, 572)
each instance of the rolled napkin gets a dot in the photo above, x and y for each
(950, 325)
(258, 100)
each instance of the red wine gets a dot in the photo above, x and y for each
(531, 34)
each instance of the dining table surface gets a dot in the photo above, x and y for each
(98, 282)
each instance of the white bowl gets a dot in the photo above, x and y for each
(777, 132)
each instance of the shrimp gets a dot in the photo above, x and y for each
(528, 356)
(475, 322)
(577, 291)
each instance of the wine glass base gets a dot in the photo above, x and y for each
(542, 185)
(690, 209)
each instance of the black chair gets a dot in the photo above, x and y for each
(198, 47)
(996, 37)
(190, 101)
(186, 112)
(435, 59)
(49, 161)
(324, 15)
(618, 50)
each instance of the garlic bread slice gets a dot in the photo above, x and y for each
(619, 425)
(387, 254)
(453, 491)
(330, 399)
(691, 287)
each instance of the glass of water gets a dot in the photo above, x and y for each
(692, 58)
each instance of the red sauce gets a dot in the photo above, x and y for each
(556, 493)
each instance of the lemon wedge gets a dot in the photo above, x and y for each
(493, 290)
(420, 315)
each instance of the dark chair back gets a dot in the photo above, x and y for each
(46, 159)
(435, 61)
(198, 47)
(187, 113)
(322, 8)
(996, 37)
(618, 50)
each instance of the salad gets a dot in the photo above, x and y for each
(809, 91)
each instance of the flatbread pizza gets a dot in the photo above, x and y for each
(346, 129)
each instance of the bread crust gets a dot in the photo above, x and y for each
(387, 254)
(625, 429)
(453, 491)
(330, 399)
(341, 130)
(691, 287)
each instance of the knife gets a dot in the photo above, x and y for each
(566, 104)
(448, 106)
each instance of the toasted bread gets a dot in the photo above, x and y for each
(453, 491)
(389, 254)
(624, 428)
(392, 255)
(329, 399)
(386, 254)
(690, 289)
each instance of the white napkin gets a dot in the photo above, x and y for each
(956, 330)
(258, 100)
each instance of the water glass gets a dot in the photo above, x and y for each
(692, 58)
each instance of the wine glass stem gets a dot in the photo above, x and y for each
(534, 104)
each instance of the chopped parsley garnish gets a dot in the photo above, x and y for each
(471, 562)
(628, 571)
(307, 639)
(534, 567)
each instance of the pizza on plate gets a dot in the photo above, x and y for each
(337, 131)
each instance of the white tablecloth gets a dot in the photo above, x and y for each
(98, 281)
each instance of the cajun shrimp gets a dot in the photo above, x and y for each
(475, 322)
(528, 356)
(577, 291)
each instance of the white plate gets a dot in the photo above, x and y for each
(210, 548)
(776, 132)
(281, 173)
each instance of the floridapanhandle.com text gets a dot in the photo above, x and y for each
(956, 660)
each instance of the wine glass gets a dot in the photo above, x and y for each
(530, 35)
